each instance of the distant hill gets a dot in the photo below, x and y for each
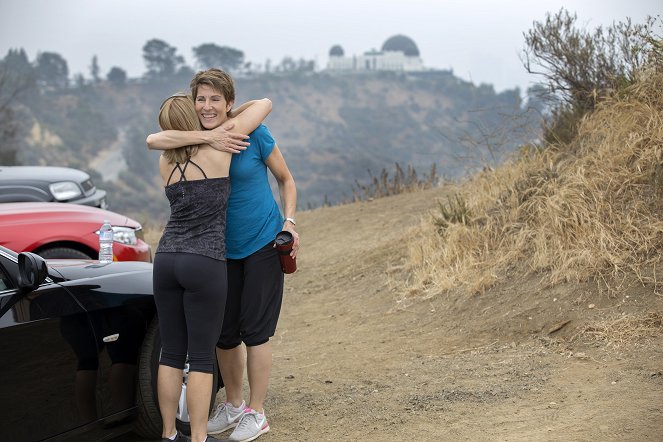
(335, 130)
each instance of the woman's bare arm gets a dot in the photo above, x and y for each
(287, 190)
(248, 118)
(220, 138)
(251, 116)
(235, 112)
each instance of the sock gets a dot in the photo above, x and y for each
(173, 437)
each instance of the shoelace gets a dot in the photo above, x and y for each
(244, 422)
(219, 409)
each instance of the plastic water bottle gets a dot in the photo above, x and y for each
(106, 243)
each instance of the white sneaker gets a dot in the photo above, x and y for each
(225, 417)
(250, 426)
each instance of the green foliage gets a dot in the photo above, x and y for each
(209, 55)
(290, 65)
(94, 70)
(52, 70)
(454, 211)
(161, 59)
(17, 83)
(117, 76)
(9, 128)
(16, 61)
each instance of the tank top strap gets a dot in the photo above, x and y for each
(177, 167)
(183, 170)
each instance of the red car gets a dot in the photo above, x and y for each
(61, 230)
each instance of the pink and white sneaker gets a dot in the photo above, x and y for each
(250, 427)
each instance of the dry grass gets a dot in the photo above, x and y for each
(403, 181)
(615, 332)
(573, 212)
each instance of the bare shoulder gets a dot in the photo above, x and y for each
(214, 162)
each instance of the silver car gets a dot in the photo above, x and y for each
(49, 184)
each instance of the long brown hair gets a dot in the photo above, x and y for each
(178, 113)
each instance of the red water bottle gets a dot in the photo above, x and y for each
(284, 241)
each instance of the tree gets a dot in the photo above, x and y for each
(16, 81)
(9, 128)
(117, 76)
(305, 65)
(161, 59)
(17, 61)
(579, 67)
(94, 70)
(8, 120)
(288, 64)
(17, 77)
(209, 55)
(52, 70)
(79, 81)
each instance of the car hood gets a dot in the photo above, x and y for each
(46, 174)
(72, 269)
(23, 213)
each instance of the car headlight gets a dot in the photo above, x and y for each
(65, 190)
(124, 235)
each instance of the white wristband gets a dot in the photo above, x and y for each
(291, 220)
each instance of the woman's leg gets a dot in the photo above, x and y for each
(204, 302)
(262, 296)
(259, 365)
(169, 386)
(198, 395)
(168, 295)
(230, 353)
(232, 363)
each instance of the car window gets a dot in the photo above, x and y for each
(5, 282)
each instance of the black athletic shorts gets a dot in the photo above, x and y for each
(255, 293)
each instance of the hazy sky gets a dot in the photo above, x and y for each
(480, 40)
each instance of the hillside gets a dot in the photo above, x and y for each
(335, 131)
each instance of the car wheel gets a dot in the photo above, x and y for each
(64, 253)
(149, 423)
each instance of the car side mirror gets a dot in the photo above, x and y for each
(32, 271)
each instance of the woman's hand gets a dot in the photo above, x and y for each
(221, 139)
(287, 225)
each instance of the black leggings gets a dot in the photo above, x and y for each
(190, 295)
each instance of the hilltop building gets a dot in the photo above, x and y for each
(398, 53)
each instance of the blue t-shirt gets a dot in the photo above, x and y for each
(253, 217)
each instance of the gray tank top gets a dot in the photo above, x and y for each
(197, 221)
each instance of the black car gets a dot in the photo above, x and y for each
(79, 350)
(49, 184)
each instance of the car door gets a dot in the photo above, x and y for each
(120, 308)
(45, 343)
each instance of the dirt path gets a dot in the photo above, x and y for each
(353, 363)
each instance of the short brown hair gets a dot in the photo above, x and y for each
(218, 80)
